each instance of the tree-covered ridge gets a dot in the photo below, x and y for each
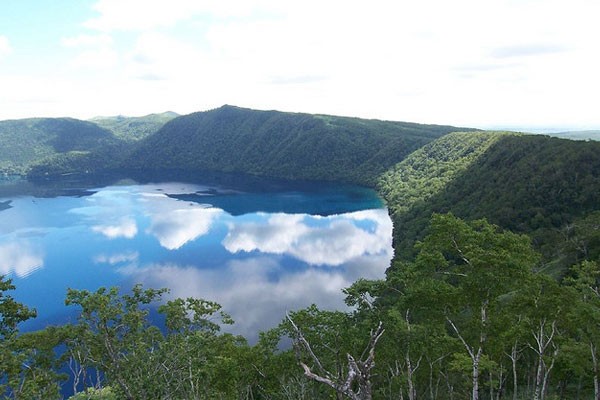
(132, 129)
(26, 142)
(427, 171)
(526, 183)
(277, 144)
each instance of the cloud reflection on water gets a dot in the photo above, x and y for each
(260, 264)
(256, 292)
(20, 258)
(175, 227)
(125, 228)
(333, 241)
(130, 256)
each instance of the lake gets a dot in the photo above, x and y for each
(258, 247)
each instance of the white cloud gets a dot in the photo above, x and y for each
(5, 47)
(145, 15)
(256, 292)
(102, 40)
(125, 228)
(138, 14)
(163, 57)
(462, 62)
(335, 240)
(176, 227)
(96, 58)
(118, 258)
(95, 51)
(20, 258)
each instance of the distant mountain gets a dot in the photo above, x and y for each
(26, 142)
(278, 144)
(132, 129)
(578, 135)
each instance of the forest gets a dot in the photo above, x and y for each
(229, 139)
(468, 317)
(493, 293)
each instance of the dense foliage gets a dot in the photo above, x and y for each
(526, 183)
(24, 143)
(131, 129)
(276, 144)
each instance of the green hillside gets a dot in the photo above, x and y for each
(526, 183)
(286, 145)
(26, 142)
(427, 171)
(132, 129)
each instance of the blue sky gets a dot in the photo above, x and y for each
(496, 63)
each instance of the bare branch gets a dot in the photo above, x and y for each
(464, 342)
(359, 371)
(304, 343)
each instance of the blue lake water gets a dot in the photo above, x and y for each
(258, 250)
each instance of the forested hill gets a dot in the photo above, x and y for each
(132, 129)
(532, 184)
(278, 144)
(26, 142)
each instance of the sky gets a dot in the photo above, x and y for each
(516, 64)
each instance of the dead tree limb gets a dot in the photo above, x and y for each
(357, 383)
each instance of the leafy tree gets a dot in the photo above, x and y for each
(26, 361)
(113, 332)
(464, 269)
(585, 280)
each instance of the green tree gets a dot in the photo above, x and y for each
(27, 361)
(584, 278)
(464, 269)
(114, 332)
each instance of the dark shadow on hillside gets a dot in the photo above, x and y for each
(528, 184)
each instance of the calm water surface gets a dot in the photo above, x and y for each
(256, 251)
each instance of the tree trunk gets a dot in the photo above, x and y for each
(491, 377)
(410, 371)
(513, 359)
(543, 340)
(475, 393)
(409, 375)
(595, 364)
(475, 356)
(538, 378)
(547, 374)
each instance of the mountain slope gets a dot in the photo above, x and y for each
(426, 172)
(132, 129)
(24, 143)
(277, 144)
(526, 183)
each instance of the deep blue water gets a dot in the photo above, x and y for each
(258, 249)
